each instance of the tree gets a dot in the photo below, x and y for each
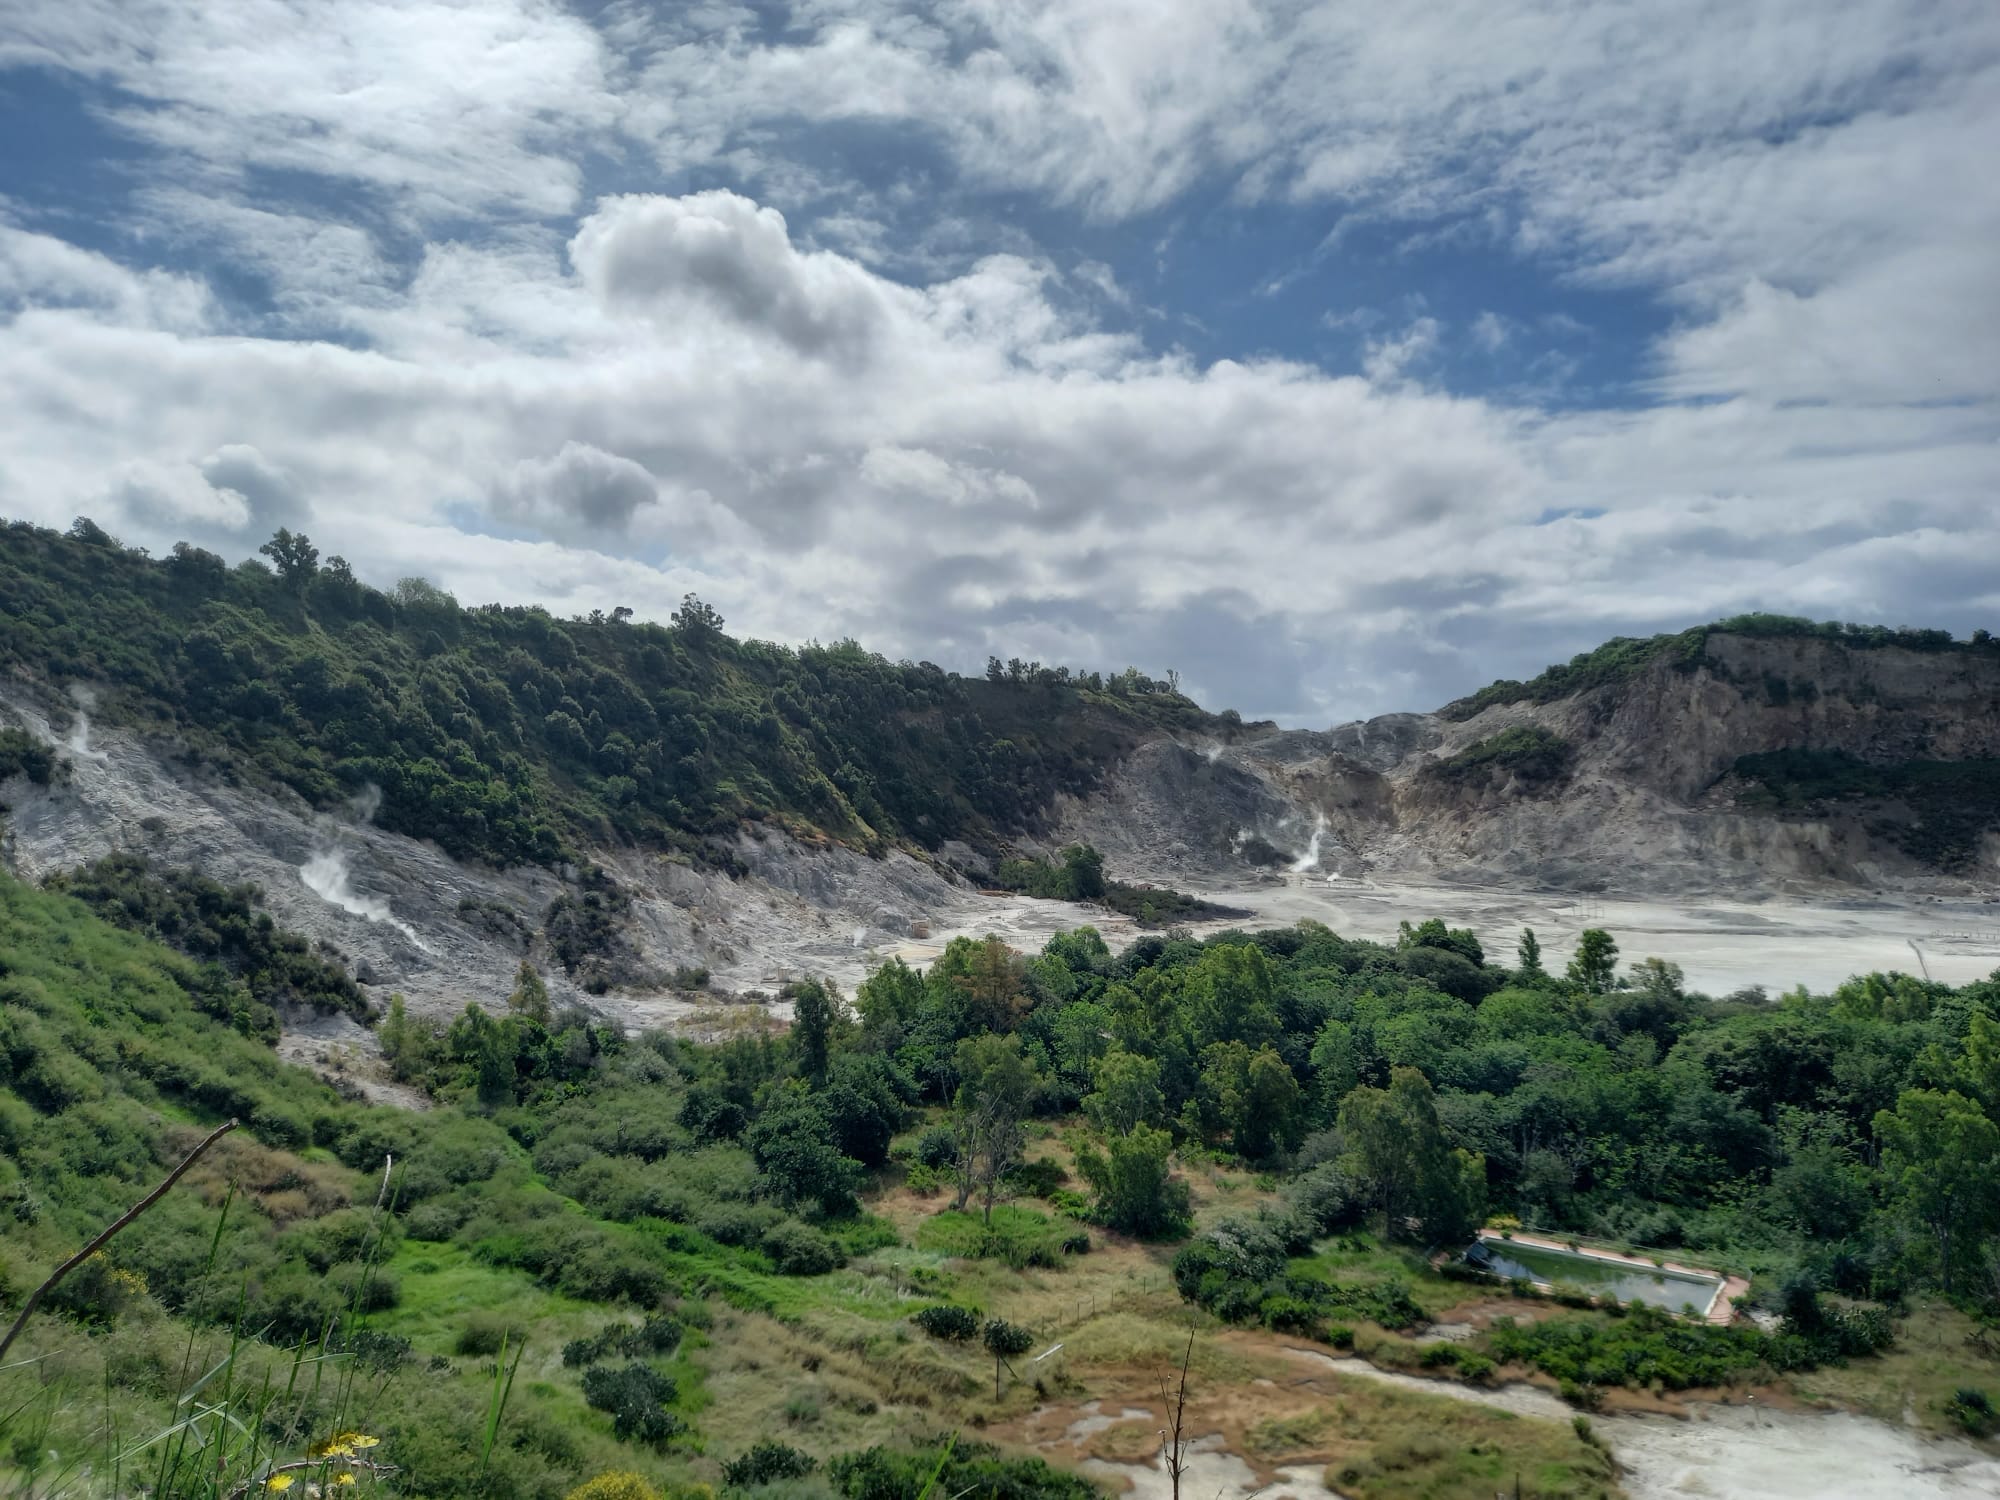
(696, 620)
(793, 1145)
(992, 1101)
(1128, 1093)
(1595, 962)
(889, 1002)
(1396, 1151)
(1944, 1155)
(295, 558)
(484, 1049)
(1004, 1341)
(812, 1025)
(1137, 1192)
(991, 978)
(1174, 1437)
(1083, 869)
(1528, 952)
(530, 999)
(1253, 1097)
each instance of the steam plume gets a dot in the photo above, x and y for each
(79, 735)
(325, 873)
(1310, 859)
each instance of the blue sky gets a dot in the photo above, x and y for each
(1340, 363)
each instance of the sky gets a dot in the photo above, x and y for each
(1339, 357)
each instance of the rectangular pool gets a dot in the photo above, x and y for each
(1674, 1291)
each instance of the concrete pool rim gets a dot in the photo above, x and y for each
(1721, 1306)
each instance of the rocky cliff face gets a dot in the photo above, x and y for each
(1627, 785)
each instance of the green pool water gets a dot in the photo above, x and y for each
(1672, 1290)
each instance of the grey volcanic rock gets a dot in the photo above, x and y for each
(1649, 804)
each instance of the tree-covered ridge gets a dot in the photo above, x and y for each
(1624, 657)
(508, 734)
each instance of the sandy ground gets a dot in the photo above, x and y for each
(1721, 945)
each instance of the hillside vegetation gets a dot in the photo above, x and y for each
(1623, 657)
(843, 1235)
(507, 734)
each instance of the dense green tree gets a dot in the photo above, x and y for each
(1528, 952)
(1943, 1155)
(1137, 1193)
(1127, 1095)
(530, 999)
(1396, 1151)
(1595, 962)
(812, 1028)
(295, 558)
(794, 1146)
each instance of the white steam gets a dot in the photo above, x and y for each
(326, 875)
(1214, 753)
(1310, 859)
(860, 936)
(79, 735)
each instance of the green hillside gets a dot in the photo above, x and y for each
(507, 734)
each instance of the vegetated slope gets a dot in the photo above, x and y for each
(1756, 751)
(512, 736)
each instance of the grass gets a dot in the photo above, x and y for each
(1380, 1444)
(1933, 1356)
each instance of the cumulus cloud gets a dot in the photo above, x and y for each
(579, 492)
(664, 258)
(570, 368)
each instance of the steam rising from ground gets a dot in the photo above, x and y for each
(326, 874)
(1310, 859)
(79, 735)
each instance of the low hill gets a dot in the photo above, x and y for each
(508, 735)
(1755, 752)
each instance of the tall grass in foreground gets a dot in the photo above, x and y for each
(249, 1421)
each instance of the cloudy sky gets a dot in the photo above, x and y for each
(1340, 362)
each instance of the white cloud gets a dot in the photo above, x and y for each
(969, 455)
(1386, 360)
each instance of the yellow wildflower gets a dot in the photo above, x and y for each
(346, 1476)
(333, 1447)
(278, 1483)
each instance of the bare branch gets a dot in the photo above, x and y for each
(55, 1276)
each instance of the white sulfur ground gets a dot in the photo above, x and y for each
(1744, 1452)
(1721, 945)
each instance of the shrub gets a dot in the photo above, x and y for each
(937, 1148)
(636, 1396)
(660, 1334)
(800, 1250)
(1973, 1410)
(619, 1484)
(766, 1462)
(1037, 1178)
(482, 1336)
(957, 1325)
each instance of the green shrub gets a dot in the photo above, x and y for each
(958, 1325)
(482, 1336)
(636, 1396)
(1973, 1410)
(798, 1249)
(766, 1462)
